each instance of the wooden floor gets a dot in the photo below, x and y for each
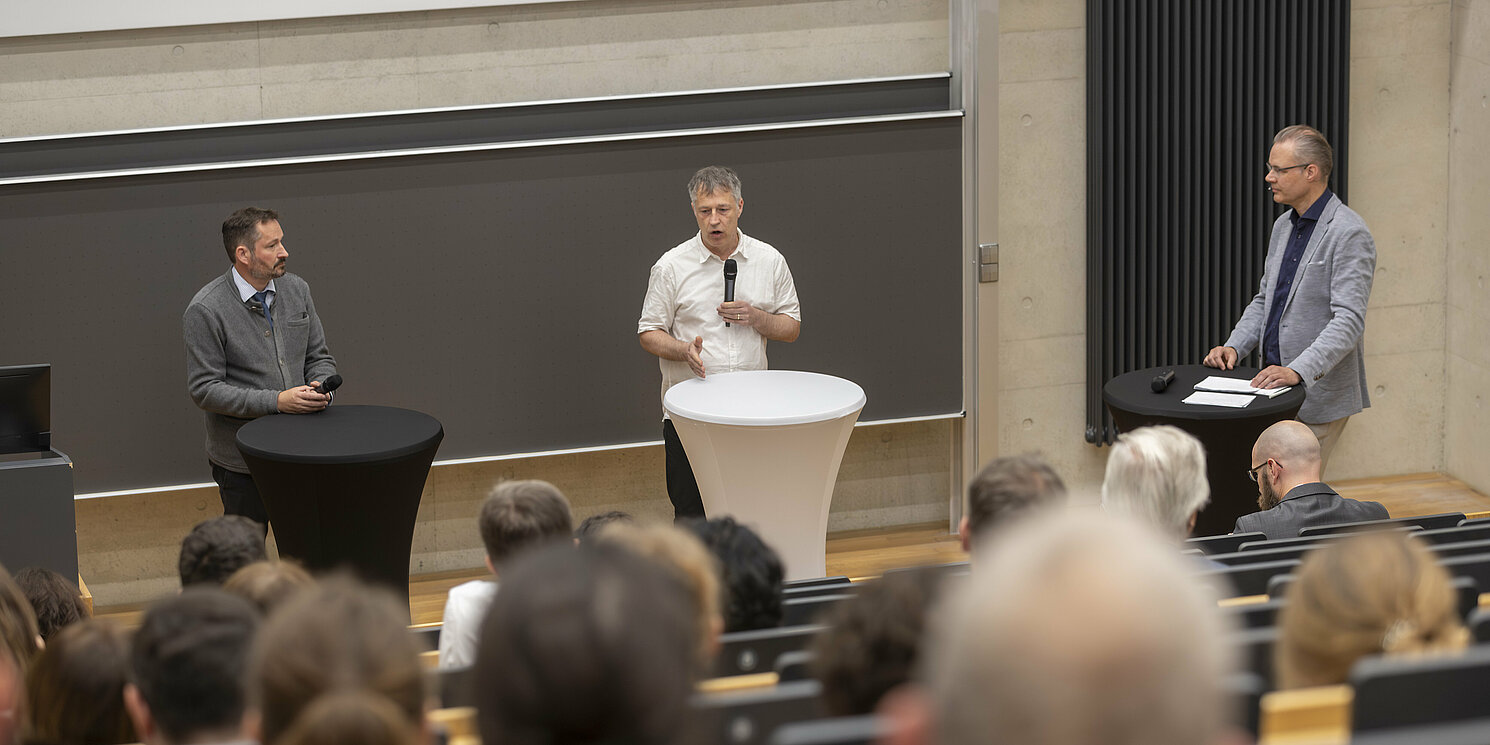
(869, 553)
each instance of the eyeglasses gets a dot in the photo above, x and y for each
(1252, 472)
(1280, 170)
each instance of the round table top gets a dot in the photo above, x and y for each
(764, 398)
(1131, 392)
(339, 434)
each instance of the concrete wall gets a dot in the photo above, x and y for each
(1467, 440)
(1399, 183)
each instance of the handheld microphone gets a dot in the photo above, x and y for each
(329, 384)
(1162, 381)
(731, 270)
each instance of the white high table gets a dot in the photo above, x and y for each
(765, 446)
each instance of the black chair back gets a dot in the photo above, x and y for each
(1458, 534)
(1426, 522)
(860, 730)
(1468, 732)
(794, 666)
(456, 687)
(1466, 548)
(815, 581)
(1478, 622)
(1223, 544)
(1474, 521)
(1290, 553)
(746, 652)
(1408, 691)
(1252, 579)
(813, 591)
(1313, 540)
(801, 611)
(1254, 648)
(1476, 567)
(751, 717)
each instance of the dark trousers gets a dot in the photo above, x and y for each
(240, 496)
(682, 487)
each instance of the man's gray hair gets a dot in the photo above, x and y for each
(1309, 145)
(1079, 628)
(710, 179)
(1157, 475)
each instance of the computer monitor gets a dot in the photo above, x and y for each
(25, 408)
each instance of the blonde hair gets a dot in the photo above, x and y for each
(1379, 593)
(683, 554)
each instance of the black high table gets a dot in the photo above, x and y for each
(1226, 433)
(342, 486)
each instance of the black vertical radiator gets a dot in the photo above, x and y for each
(1183, 100)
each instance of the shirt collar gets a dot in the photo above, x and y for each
(246, 290)
(1316, 209)
(704, 254)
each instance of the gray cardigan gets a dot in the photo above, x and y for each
(236, 366)
(1320, 332)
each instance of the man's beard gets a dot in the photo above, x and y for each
(1266, 498)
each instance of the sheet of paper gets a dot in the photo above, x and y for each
(1237, 385)
(1219, 399)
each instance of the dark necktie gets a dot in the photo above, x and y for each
(262, 298)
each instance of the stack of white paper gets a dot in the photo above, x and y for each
(1219, 399)
(1237, 385)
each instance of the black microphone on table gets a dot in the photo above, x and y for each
(731, 270)
(1162, 381)
(330, 384)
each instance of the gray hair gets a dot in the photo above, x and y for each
(1079, 628)
(710, 179)
(1310, 145)
(1010, 486)
(1157, 475)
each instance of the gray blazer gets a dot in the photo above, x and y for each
(1320, 332)
(1306, 506)
(236, 366)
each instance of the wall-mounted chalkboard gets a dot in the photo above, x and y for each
(496, 290)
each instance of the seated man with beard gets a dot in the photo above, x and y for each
(1286, 468)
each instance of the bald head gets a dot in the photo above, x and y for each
(1292, 445)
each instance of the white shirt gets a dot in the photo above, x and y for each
(246, 290)
(684, 293)
(465, 608)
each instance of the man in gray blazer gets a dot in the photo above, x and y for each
(1309, 315)
(1289, 492)
(253, 340)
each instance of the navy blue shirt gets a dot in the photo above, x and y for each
(1298, 240)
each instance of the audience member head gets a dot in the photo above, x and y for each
(592, 525)
(1157, 475)
(19, 631)
(12, 703)
(873, 640)
(351, 718)
(269, 584)
(340, 636)
(1075, 629)
(520, 515)
(1376, 593)
(187, 663)
(750, 570)
(1285, 455)
(57, 602)
(75, 689)
(216, 548)
(683, 554)
(612, 659)
(1006, 488)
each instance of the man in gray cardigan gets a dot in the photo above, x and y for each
(1309, 315)
(254, 346)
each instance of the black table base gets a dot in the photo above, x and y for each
(342, 487)
(1227, 434)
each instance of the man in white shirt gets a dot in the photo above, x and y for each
(683, 317)
(517, 516)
